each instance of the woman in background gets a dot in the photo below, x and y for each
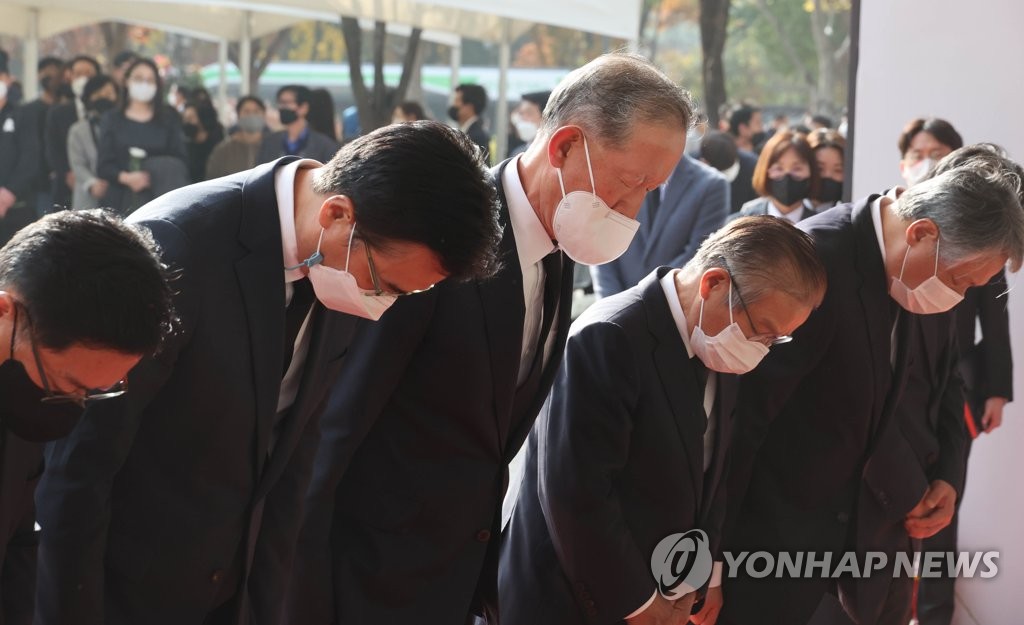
(203, 132)
(922, 144)
(830, 153)
(786, 176)
(99, 97)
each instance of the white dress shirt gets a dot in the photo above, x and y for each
(793, 216)
(532, 245)
(284, 189)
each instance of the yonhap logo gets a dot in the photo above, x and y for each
(681, 563)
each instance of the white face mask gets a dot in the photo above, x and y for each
(339, 291)
(928, 298)
(588, 231)
(526, 130)
(78, 85)
(916, 172)
(729, 351)
(141, 91)
(3, 90)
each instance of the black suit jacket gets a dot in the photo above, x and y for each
(742, 188)
(813, 427)
(406, 497)
(21, 463)
(23, 168)
(986, 364)
(615, 464)
(58, 122)
(158, 497)
(480, 137)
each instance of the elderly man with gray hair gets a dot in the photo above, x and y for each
(403, 516)
(852, 437)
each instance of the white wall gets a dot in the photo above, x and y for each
(963, 61)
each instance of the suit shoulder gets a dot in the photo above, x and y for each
(756, 206)
(703, 171)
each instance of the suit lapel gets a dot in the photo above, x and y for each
(725, 405)
(678, 378)
(504, 312)
(261, 279)
(673, 194)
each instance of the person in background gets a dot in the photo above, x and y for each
(59, 119)
(122, 61)
(818, 122)
(141, 128)
(297, 138)
(747, 127)
(238, 152)
(468, 104)
(922, 144)
(527, 118)
(99, 96)
(408, 111)
(829, 153)
(786, 176)
(12, 218)
(203, 132)
(719, 150)
(83, 297)
(28, 179)
(322, 117)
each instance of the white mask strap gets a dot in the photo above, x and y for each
(936, 272)
(700, 317)
(730, 303)
(590, 170)
(560, 182)
(348, 254)
(904, 266)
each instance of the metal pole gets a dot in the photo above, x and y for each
(501, 116)
(30, 82)
(245, 52)
(456, 63)
(222, 85)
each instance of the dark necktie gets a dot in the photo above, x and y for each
(294, 315)
(701, 373)
(552, 264)
(653, 204)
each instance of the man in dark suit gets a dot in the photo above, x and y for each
(403, 514)
(467, 107)
(181, 504)
(631, 446)
(675, 218)
(840, 444)
(82, 298)
(297, 138)
(59, 120)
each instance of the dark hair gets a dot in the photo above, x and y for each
(741, 116)
(942, 130)
(94, 84)
(719, 150)
(321, 113)
(779, 144)
(540, 98)
(421, 182)
(302, 94)
(87, 277)
(823, 120)
(49, 61)
(208, 119)
(249, 98)
(474, 95)
(5, 61)
(414, 109)
(87, 59)
(123, 57)
(158, 99)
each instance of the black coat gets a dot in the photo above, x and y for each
(480, 137)
(614, 465)
(21, 464)
(816, 445)
(157, 496)
(986, 364)
(403, 511)
(58, 122)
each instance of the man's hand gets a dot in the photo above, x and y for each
(712, 606)
(933, 512)
(98, 188)
(69, 179)
(135, 180)
(7, 200)
(993, 416)
(665, 612)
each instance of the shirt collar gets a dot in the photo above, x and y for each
(532, 240)
(793, 216)
(668, 284)
(469, 122)
(284, 189)
(876, 219)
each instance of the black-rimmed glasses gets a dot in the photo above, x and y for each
(764, 339)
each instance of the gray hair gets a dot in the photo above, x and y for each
(975, 197)
(763, 254)
(610, 94)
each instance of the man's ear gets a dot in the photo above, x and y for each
(711, 280)
(561, 142)
(336, 208)
(921, 229)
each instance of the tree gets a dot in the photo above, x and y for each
(377, 103)
(263, 51)
(714, 24)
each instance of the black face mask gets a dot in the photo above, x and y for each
(190, 130)
(288, 116)
(790, 190)
(24, 415)
(100, 106)
(758, 139)
(831, 190)
(453, 112)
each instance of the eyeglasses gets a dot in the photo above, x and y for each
(378, 291)
(82, 398)
(765, 339)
